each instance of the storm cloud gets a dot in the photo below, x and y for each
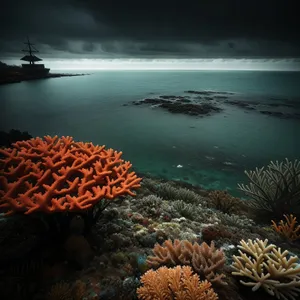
(152, 29)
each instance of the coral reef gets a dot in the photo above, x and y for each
(266, 266)
(177, 283)
(165, 224)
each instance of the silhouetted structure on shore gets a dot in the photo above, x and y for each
(32, 68)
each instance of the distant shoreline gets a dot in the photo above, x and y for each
(14, 74)
(7, 79)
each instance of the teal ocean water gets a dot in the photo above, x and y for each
(212, 151)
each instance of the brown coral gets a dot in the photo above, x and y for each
(78, 290)
(177, 283)
(206, 260)
(224, 202)
(289, 229)
(60, 291)
(215, 232)
(57, 174)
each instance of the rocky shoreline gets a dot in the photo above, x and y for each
(206, 103)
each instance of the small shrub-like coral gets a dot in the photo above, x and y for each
(149, 184)
(289, 229)
(177, 283)
(204, 259)
(60, 291)
(266, 266)
(236, 220)
(186, 210)
(169, 192)
(276, 189)
(189, 196)
(151, 200)
(224, 202)
(215, 232)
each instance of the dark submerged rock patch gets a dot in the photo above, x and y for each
(180, 105)
(208, 92)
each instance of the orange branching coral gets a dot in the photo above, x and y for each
(178, 283)
(288, 229)
(206, 260)
(58, 174)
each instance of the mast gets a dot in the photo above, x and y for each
(31, 58)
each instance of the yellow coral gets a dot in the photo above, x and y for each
(265, 266)
(178, 283)
(288, 229)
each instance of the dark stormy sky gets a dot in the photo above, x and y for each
(152, 29)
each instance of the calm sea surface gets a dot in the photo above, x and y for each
(212, 151)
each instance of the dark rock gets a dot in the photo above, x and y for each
(154, 101)
(280, 104)
(190, 109)
(168, 97)
(180, 104)
(7, 139)
(281, 115)
(183, 100)
(272, 113)
(296, 115)
(208, 93)
(221, 97)
(238, 103)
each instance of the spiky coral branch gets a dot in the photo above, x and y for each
(266, 266)
(288, 229)
(178, 283)
(275, 189)
(206, 260)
